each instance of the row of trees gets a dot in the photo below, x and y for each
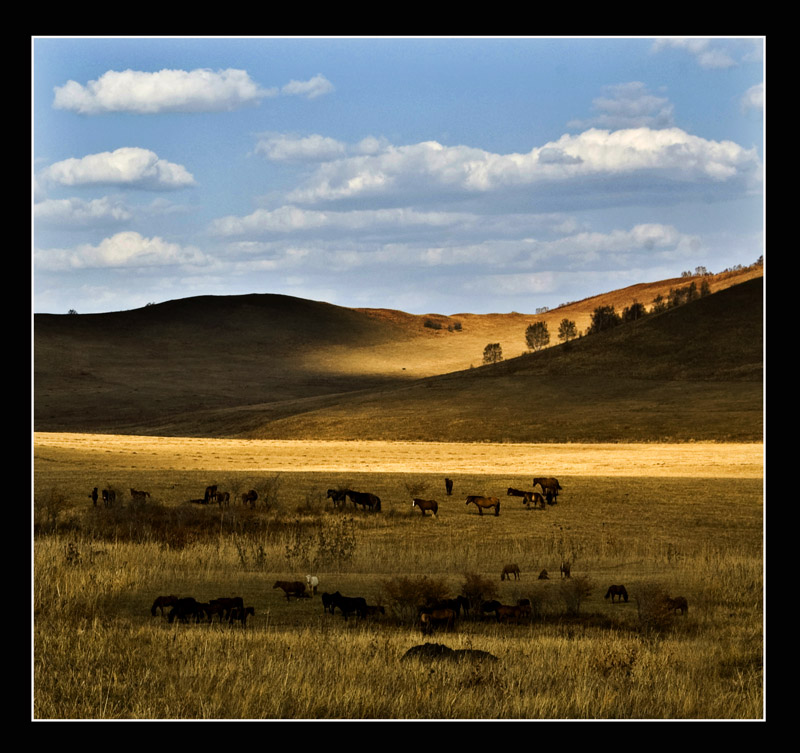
(537, 335)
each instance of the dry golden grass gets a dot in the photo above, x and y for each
(684, 519)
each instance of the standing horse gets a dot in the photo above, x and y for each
(162, 602)
(365, 499)
(93, 497)
(510, 570)
(528, 498)
(484, 503)
(430, 505)
(448, 486)
(620, 592)
(549, 485)
(678, 603)
(338, 496)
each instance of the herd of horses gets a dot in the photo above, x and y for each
(187, 609)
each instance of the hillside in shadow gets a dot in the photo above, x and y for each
(277, 366)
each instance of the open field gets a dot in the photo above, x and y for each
(677, 519)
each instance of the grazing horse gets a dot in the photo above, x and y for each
(349, 605)
(93, 497)
(139, 496)
(528, 498)
(339, 497)
(461, 602)
(484, 503)
(109, 497)
(224, 606)
(543, 575)
(224, 498)
(328, 601)
(509, 570)
(185, 608)
(162, 602)
(620, 592)
(239, 614)
(249, 498)
(565, 570)
(365, 499)
(448, 486)
(435, 619)
(506, 613)
(211, 494)
(487, 607)
(548, 484)
(678, 603)
(294, 588)
(426, 504)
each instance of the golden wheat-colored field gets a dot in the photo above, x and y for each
(662, 519)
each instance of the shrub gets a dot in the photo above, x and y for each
(574, 591)
(478, 589)
(404, 595)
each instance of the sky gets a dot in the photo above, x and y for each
(432, 175)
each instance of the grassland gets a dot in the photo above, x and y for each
(680, 519)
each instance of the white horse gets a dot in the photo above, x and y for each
(312, 581)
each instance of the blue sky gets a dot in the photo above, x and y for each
(432, 175)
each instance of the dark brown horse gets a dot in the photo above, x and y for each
(162, 602)
(249, 498)
(430, 505)
(365, 499)
(239, 614)
(528, 498)
(618, 592)
(184, 609)
(448, 486)
(93, 497)
(484, 503)
(294, 588)
(139, 496)
(225, 605)
(349, 605)
(677, 603)
(109, 497)
(509, 570)
(338, 496)
(210, 494)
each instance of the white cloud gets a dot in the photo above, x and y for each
(708, 53)
(76, 212)
(629, 105)
(127, 249)
(753, 98)
(287, 148)
(314, 87)
(430, 167)
(127, 166)
(200, 90)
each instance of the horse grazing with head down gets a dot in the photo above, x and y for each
(677, 603)
(294, 588)
(365, 499)
(430, 505)
(509, 570)
(484, 503)
(528, 498)
(618, 592)
(436, 619)
(162, 602)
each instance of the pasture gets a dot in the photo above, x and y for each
(674, 520)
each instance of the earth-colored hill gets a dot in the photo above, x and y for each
(276, 366)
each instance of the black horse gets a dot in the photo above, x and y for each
(620, 592)
(365, 499)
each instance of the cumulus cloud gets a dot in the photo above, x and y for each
(288, 148)
(753, 98)
(629, 105)
(127, 166)
(708, 53)
(669, 153)
(314, 87)
(76, 212)
(200, 90)
(126, 249)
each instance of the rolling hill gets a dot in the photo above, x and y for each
(265, 366)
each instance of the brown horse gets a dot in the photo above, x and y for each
(548, 484)
(448, 486)
(431, 505)
(507, 613)
(210, 494)
(249, 498)
(294, 588)
(109, 497)
(509, 570)
(93, 497)
(139, 496)
(484, 503)
(436, 619)
(678, 603)
(239, 614)
(528, 498)
(365, 499)
(225, 605)
(620, 592)
(338, 496)
(162, 602)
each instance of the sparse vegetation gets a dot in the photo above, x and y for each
(493, 353)
(537, 336)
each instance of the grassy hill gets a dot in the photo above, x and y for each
(278, 367)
